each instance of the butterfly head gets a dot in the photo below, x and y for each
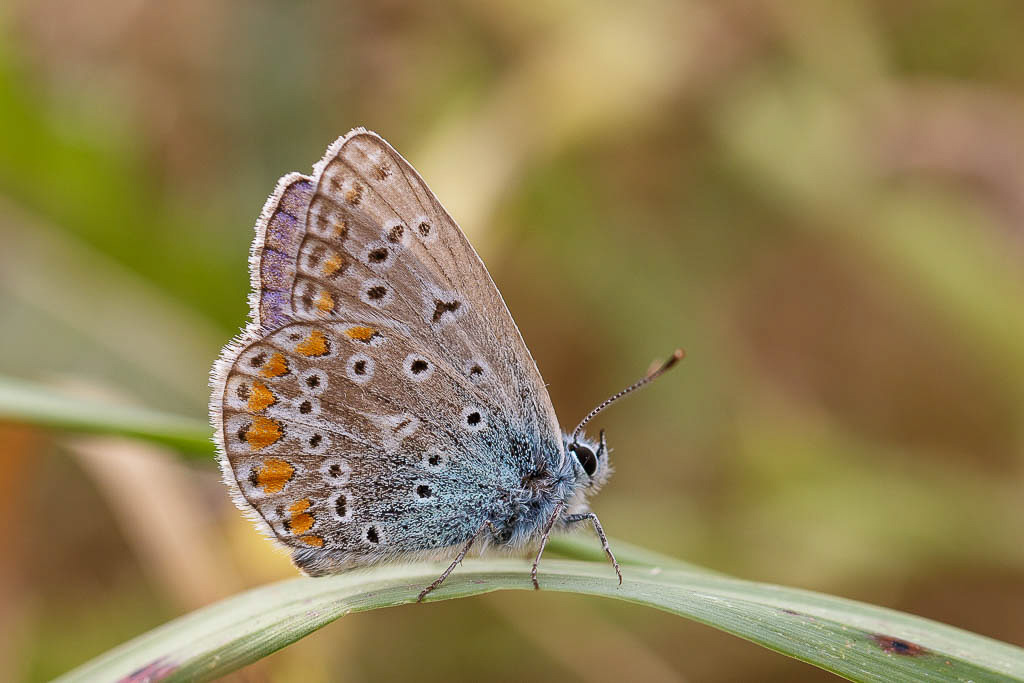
(589, 460)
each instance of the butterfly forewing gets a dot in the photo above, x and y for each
(383, 401)
(403, 255)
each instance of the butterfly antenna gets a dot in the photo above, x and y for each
(652, 375)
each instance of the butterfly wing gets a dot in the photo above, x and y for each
(382, 402)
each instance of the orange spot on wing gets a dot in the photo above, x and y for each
(360, 333)
(354, 194)
(314, 541)
(264, 432)
(301, 523)
(260, 397)
(273, 475)
(275, 367)
(333, 264)
(313, 345)
(299, 506)
(325, 302)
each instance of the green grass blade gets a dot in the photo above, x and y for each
(858, 641)
(35, 404)
(852, 639)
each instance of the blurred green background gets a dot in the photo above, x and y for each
(823, 202)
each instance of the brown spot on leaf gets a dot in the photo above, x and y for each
(898, 646)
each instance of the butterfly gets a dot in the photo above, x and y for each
(381, 403)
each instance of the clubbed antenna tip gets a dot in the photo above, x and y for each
(651, 375)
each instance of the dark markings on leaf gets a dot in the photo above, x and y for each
(897, 646)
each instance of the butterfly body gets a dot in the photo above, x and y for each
(381, 403)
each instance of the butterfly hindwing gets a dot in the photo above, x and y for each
(352, 446)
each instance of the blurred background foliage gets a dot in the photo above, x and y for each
(823, 202)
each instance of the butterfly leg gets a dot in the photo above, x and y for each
(458, 559)
(544, 542)
(572, 519)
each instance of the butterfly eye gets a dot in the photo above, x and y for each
(586, 457)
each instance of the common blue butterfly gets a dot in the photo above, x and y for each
(381, 403)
